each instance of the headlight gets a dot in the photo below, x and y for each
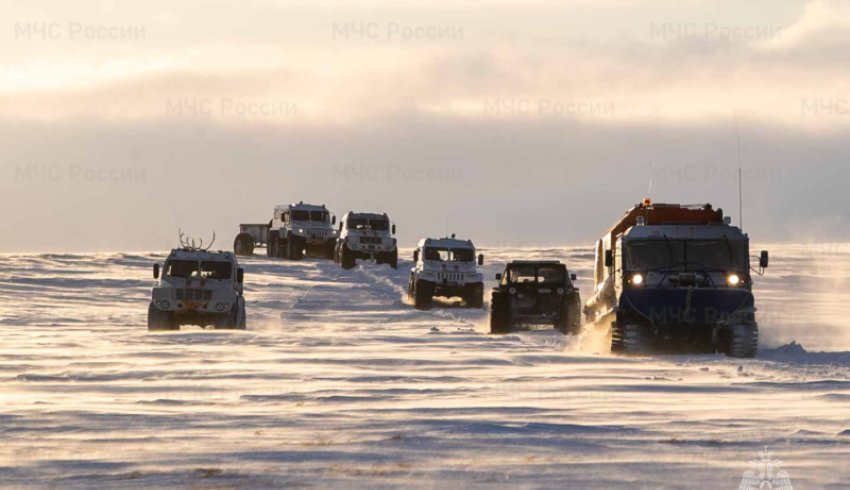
(219, 306)
(733, 279)
(164, 304)
(560, 290)
(512, 290)
(636, 279)
(300, 230)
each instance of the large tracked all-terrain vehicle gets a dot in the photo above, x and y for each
(675, 278)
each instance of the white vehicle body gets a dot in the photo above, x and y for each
(366, 236)
(301, 228)
(197, 287)
(446, 267)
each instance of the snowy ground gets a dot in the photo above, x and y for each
(339, 383)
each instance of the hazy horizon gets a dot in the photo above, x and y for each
(512, 123)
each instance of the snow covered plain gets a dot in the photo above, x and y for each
(339, 383)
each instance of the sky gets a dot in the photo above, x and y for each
(509, 122)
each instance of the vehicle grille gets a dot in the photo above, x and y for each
(317, 234)
(192, 294)
(451, 276)
(370, 240)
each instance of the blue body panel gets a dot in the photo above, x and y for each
(688, 307)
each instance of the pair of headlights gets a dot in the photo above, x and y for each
(732, 279)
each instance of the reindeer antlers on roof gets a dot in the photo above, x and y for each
(189, 243)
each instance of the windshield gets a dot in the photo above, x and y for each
(368, 224)
(319, 216)
(300, 215)
(216, 270)
(544, 274)
(686, 255)
(181, 268)
(443, 254)
(190, 268)
(379, 224)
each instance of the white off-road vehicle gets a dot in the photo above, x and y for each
(299, 229)
(197, 287)
(366, 236)
(446, 267)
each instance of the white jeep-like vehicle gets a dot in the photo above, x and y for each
(299, 229)
(197, 287)
(446, 267)
(366, 236)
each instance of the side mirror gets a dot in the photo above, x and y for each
(240, 275)
(156, 271)
(416, 255)
(480, 259)
(764, 259)
(393, 229)
(333, 220)
(609, 258)
(340, 226)
(572, 277)
(498, 276)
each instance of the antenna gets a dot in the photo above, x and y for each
(651, 174)
(740, 180)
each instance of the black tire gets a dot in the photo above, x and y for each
(273, 247)
(347, 259)
(741, 341)
(423, 294)
(294, 248)
(232, 320)
(569, 319)
(159, 320)
(474, 295)
(243, 244)
(410, 287)
(500, 314)
(392, 259)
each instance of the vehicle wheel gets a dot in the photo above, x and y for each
(243, 244)
(228, 321)
(474, 295)
(410, 287)
(423, 294)
(500, 314)
(392, 259)
(628, 338)
(242, 322)
(159, 320)
(272, 246)
(347, 258)
(294, 248)
(569, 322)
(742, 341)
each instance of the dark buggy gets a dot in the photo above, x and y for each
(533, 293)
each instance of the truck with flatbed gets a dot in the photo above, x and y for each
(295, 231)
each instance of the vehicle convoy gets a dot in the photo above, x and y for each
(366, 236)
(197, 287)
(295, 230)
(446, 267)
(671, 277)
(535, 292)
